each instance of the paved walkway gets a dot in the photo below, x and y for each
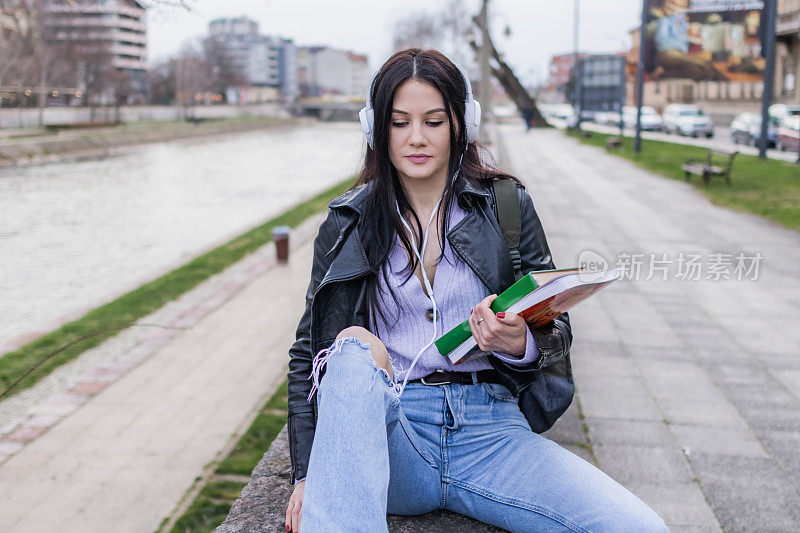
(690, 389)
(123, 458)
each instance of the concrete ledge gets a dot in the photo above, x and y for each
(262, 504)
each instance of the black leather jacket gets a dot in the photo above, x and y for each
(336, 296)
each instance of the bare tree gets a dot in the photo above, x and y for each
(190, 75)
(417, 29)
(161, 80)
(12, 47)
(445, 29)
(222, 72)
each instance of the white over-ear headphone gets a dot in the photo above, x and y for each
(472, 111)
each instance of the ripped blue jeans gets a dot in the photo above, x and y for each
(465, 448)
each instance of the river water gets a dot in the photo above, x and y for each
(76, 235)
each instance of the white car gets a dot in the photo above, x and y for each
(687, 119)
(783, 111)
(650, 121)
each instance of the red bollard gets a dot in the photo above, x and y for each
(280, 235)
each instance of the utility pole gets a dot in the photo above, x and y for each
(637, 140)
(486, 90)
(576, 68)
(769, 72)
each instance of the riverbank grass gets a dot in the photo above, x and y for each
(769, 188)
(82, 334)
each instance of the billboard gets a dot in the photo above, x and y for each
(704, 40)
(602, 83)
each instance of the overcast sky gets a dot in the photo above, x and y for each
(540, 28)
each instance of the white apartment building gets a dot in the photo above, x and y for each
(117, 27)
(322, 70)
(114, 27)
(262, 61)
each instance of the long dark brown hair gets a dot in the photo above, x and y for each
(380, 222)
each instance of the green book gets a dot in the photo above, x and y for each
(538, 297)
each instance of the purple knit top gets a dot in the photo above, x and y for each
(456, 289)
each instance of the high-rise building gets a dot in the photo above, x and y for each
(259, 60)
(322, 70)
(110, 31)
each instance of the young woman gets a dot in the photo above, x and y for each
(408, 253)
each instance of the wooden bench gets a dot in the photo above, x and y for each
(717, 163)
(613, 143)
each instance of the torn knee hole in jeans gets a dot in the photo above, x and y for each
(321, 358)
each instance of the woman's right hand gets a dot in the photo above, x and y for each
(294, 510)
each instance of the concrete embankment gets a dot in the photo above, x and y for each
(46, 146)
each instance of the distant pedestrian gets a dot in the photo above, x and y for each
(527, 116)
(369, 437)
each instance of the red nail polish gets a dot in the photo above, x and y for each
(287, 528)
(501, 314)
(470, 311)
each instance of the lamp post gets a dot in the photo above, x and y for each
(770, 6)
(578, 90)
(637, 140)
(486, 91)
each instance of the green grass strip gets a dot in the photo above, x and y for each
(148, 298)
(215, 499)
(248, 451)
(769, 188)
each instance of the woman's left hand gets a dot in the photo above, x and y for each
(501, 332)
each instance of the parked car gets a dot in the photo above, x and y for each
(600, 117)
(789, 134)
(562, 111)
(687, 119)
(746, 129)
(782, 111)
(650, 121)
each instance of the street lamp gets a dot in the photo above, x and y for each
(576, 69)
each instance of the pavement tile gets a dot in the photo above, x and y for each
(681, 505)
(88, 387)
(25, 434)
(10, 447)
(784, 447)
(790, 379)
(678, 380)
(717, 413)
(11, 425)
(635, 464)
(768, 396)
(662, 354)
(748, 493)
(41, 421)
(628, 433)
(764, 418)
(717, 440)
(623, 398)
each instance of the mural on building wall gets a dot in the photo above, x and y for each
(704, 40)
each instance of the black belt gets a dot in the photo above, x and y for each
(442, 377)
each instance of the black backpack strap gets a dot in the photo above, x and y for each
(510, 219)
